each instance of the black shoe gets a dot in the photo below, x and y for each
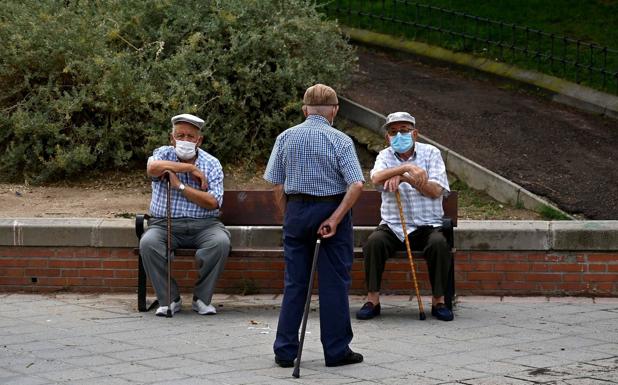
(441, 312)
(350, 358)
(284, 363)
(368, 311)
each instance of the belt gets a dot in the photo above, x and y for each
(314, 198)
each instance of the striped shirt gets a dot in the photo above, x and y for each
(181, 206)
(418, 209)
(314, 158)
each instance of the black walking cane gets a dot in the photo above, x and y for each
(296, 372)
(169, 247)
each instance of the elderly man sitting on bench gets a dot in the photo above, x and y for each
(196, 180)
(418, 171)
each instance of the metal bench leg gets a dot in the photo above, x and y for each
(450, 290)
(141, 285)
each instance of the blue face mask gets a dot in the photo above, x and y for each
(401, 143)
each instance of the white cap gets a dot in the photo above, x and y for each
(399, 117)
(188, 118)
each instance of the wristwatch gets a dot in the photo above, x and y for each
(181, 188)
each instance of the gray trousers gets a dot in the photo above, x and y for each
(383, 243)
(209, 236)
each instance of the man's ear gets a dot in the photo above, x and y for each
(172, 140)
(304, 108)
(199, 141)
(415, 134)
(335, 111)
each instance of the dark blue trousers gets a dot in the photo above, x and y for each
(334, 263)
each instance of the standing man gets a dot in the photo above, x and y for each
(197, 194)
(418, 171)
(316, 172)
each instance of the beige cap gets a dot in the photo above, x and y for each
(320, 95)
(188, 118)
(399, 117)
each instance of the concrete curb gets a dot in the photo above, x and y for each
(470, 235)
(563, 91)
(475, 175)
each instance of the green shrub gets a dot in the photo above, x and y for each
(91, 85)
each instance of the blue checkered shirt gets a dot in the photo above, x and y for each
(418, 210)
(181, 206)
(313, 158)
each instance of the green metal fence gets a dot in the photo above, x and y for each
(583, 62)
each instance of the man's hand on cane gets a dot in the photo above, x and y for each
(328, 228)
(174, 181)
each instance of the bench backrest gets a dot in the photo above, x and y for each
(257, 208)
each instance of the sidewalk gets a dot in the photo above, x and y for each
(101, 339)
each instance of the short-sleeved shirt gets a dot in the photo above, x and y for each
(313, 158)
(418, 209)
(181, 206)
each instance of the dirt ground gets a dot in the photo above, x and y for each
(112, 195)
(564, 154)
(555, 151)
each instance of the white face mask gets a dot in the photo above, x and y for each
(185, 150)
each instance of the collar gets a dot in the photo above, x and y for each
(411, 158)
(319, 118)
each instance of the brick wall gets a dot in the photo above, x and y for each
(90, 269)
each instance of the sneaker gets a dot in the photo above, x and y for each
(175, 306)
(284, 363)
(441, 312)
(201, 308)
(350, 358)
(368, 311)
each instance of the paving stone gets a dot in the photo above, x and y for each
(170, 362)
(105, 380)
(92, 360)
(498, 380)
(124, 367)
(70, 375)
(203, 369)
(153, 376)
(21, 380)
(540, 360)
(136, 354)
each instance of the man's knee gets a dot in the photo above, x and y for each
(150, 244)
(219, 242)
(375, 244)
(437, 240)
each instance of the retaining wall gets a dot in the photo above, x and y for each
(574, 258)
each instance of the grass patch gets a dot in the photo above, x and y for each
(545, 36)
(549, 213)
(478, 205)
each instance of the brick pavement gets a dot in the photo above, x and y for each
(101, 339)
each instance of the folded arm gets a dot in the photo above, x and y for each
(391, 177)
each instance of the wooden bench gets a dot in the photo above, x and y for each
(257, 208)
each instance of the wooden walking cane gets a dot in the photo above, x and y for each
(405, 236)
(169, 248)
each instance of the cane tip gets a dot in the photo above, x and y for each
(296, 373)
(422, 316)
